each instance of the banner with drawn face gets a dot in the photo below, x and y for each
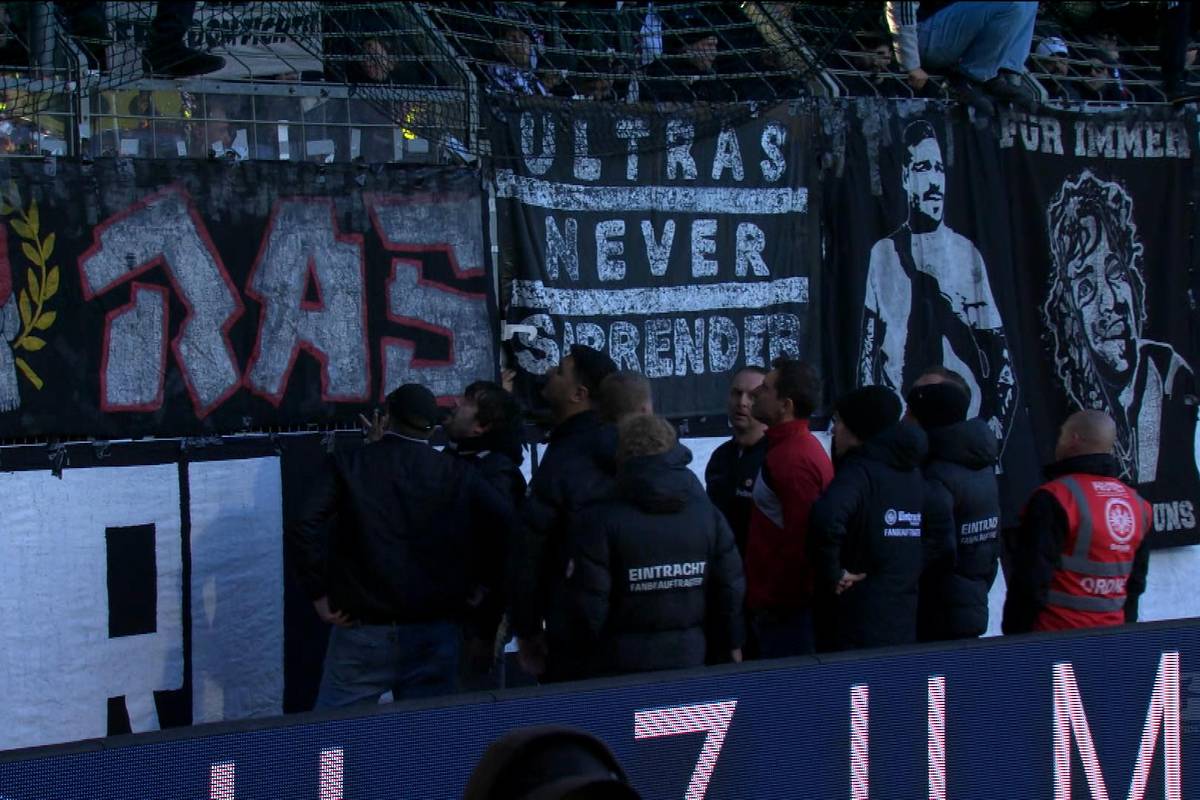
(918, 232)
(1104, 243)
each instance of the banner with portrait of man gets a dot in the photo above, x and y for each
(919, 232)
(1103, 240)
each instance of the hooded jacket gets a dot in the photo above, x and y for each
(577, 468)
(879, 517)
(1037, 548)
(954, 590)
(654, 576)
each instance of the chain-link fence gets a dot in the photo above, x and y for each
(414, 81)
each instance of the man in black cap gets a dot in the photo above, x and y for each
(578, 466)
(962, 459)
(876, 525)
(548, 762)
(411, 538)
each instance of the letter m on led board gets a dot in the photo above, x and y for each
(1071, 726)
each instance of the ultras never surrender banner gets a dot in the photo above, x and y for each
(683, 248)
(180, 298)
(1045, 260)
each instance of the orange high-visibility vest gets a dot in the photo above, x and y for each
(1107, 522)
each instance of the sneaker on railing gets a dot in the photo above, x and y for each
(1010, 88)
(180, 62)
(970, 93)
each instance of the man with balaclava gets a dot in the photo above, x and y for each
(953, 601)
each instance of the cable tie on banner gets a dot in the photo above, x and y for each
(57, 453)
(102, 448)
(328, 441)
(276, 443)
(196, 442)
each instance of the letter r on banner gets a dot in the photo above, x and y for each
(1071, 724)
(710, 718)
(163, 229)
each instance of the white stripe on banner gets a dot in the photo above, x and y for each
(658, 299)
(676, 199)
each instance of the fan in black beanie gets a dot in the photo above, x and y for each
(869, 411)
(936, 405)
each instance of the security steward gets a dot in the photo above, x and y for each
(1080, 557)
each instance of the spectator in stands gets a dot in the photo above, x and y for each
(878, 73)
(578, 467)
(548, 762)
(1102, 83)
(217, 134)
(654, 578)
(165, 54)
(953, 600)
(983, 45)
(412, 532)
(515, 70)
(734, 466)
(625, 394)
(795, 472)
(686, 72)
(875, 527)
(1080, 556)
(1051, 58)
(485, 431)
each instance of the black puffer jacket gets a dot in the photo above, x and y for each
(411, 534)
(954, 590)
(654, 574)
(879, 517)
(577, 468)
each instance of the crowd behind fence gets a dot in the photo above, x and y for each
(382, 82)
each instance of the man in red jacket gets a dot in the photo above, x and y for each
(794, 474)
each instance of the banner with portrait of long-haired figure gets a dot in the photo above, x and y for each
(1102, 236)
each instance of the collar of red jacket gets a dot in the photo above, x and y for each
(786, 430)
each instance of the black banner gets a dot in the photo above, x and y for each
(189, 297)
(1103, 212)
(684, 255)
(985, 248)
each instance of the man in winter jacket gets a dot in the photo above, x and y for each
(577, 467)
(1080, 558)
(733, 467)
(654, 580)
(962, 457)
(411, 535)
(875, 527)
(795, 472)
(485, 432)
(625, 394)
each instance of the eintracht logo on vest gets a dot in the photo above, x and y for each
(1119, 515)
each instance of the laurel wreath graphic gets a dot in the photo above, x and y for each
(41, 280)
